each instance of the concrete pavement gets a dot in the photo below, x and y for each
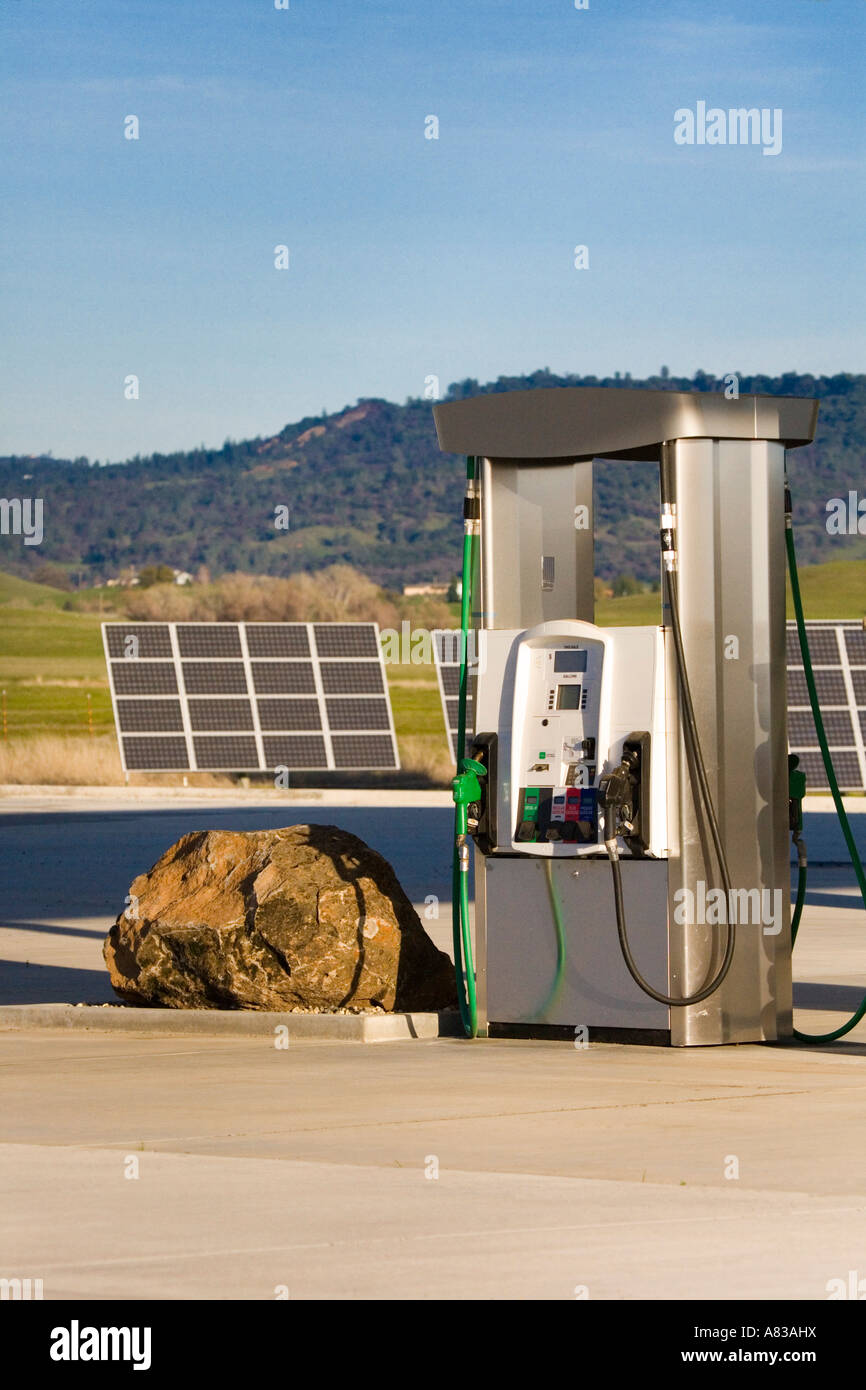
(152, 1168)
(137, 1166)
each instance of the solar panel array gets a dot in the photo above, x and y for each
(838, 652)
(447, 645)
(249, 697)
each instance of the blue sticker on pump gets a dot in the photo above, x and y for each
(588, 803)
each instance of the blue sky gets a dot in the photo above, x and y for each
(409, 257)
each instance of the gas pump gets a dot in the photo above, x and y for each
(626, 792)
(569, 717)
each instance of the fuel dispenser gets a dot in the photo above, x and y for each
(626, 790)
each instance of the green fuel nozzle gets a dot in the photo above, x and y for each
(465, 787)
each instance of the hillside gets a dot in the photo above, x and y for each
(369, 487)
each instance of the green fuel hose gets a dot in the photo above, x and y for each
(465, 787)
(831, 778)
(460, 927)
(802, 874)
(556, 909)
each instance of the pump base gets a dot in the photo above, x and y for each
(557, 1032)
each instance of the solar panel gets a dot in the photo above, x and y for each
(132, 677)
(224, 753)
(845, 762)
(451, 681)
(295, 750)
(347, 714)
(140, 640)
(447, 648)
(238, 697)
(838, 653)
(289, 714)
(150, 716)
(214, 677)
(343, 678)
(823, 646)
(837, 727)
(829, 684)
(288, 640)
(792, 645)
(220, 714)
(278, 678)
(145, 754)
(360, 750)
(208, 639)
(347, 640)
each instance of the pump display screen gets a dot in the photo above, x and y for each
(568, 696)
(569, 661)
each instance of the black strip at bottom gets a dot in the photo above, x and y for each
(563, 1032)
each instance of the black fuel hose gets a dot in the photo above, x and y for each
(695, 757)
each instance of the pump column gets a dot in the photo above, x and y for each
(729, 537)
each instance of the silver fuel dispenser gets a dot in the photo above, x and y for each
(631, 830)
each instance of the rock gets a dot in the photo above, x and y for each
(303, 918)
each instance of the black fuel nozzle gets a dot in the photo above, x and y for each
(796, 792)
(614, 789)
(617, 790)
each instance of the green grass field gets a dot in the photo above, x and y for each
(51, 659)
(15, 590)
(836, 590)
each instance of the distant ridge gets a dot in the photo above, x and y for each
(369, 487)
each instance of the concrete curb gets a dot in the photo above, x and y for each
(405, 797)
(365, 1028)
(260, 796)
(854, 805)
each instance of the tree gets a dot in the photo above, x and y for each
(52, 575)
(626, 584)
(156, 574)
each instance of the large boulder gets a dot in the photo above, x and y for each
(304, 918)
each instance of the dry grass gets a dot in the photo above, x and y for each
(50, 760)
(53, 760)
(427, 757)
(336, 594)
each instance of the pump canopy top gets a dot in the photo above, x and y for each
(570, 422)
